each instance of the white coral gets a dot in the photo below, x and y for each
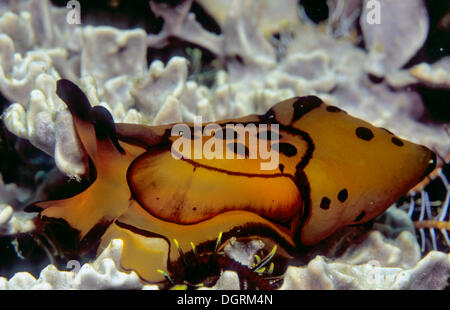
(14, 222)
(430, 273)
(435, 75)
(103, 273)
(378, 262)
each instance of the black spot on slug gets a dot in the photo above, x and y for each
(397, 141)
(281, 167)
(305, 104)
(364, 133)
(332, 108)
(325, 203)
(360, 216)
(285, 148)
(342, 196)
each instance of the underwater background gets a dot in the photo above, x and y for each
(160, 62)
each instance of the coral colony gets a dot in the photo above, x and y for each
(264, 53)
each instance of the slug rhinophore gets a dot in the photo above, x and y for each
(331, 170)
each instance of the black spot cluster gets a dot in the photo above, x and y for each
(394, 139)
(366, 134)
(325, 202)
(342, 197)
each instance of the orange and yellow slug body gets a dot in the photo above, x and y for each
(332, 170)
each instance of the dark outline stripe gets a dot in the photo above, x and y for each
(303, 186)
(300, 179)
(206, 247)
(360, 216)
(303, 105)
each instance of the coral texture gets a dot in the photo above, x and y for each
(11, 221)
(430, 273)
(377, 262)
(101, 274)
